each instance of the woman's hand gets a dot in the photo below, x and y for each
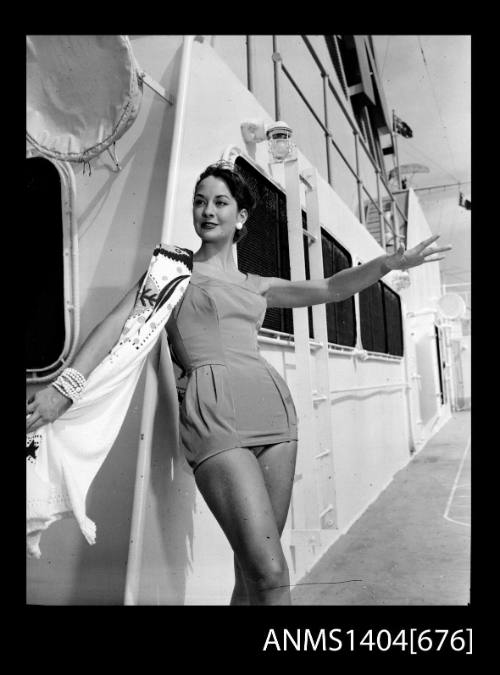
(402, 260)
(45, 406)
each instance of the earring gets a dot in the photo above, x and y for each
(239, 225)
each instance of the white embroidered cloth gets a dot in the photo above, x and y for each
(64, 456)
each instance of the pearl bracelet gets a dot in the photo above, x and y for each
(70, 383)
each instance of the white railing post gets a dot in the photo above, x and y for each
(325, 465)
(305, 490)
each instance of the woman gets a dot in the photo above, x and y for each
(237, 419)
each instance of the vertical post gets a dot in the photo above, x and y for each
(395, 143)
(407, 346)
(277, 74)
(395, 237)
(324, 458)
(359, 181)
(142, 478)
(305, 407)
(404, 235)
(398, 175)
(327, 132)
(380, 210)
(249, 63)
(448, 356)
(151, 385)
(395, 222)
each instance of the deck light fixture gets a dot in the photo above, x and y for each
(278, 136)
(279, 139)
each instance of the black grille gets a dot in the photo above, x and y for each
(393, 322)
(340, 316)
(264, 250)
(381, 321)
(371, 309)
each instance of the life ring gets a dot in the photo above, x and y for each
(83, 93)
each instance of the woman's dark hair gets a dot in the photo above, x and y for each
(237, 186)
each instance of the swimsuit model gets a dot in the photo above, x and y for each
(234, 398)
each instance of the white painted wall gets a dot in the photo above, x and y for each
(425, 288)
(420, 300)
(119, 222)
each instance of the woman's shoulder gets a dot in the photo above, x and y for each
(254, 280)
(260, 283)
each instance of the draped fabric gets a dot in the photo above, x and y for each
(64, 456)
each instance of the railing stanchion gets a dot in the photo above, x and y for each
(327, 132)
(358, 179)
(249, 42)
(380, 211)
(277, 69)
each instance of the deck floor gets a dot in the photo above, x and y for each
(412, 545)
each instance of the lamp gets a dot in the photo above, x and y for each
(277, 134)
(279, 139)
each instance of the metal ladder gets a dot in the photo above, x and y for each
(314, 508)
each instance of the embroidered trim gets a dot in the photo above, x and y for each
(183, 255)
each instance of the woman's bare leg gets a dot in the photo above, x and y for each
(277, 463)
(240, 591)
(235, 489)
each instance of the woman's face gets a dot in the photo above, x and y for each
(215, 211)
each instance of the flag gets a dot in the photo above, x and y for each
(401, 127)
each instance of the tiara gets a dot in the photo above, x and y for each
(226, 164)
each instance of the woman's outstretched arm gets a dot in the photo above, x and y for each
(48, 403)
(342, 285)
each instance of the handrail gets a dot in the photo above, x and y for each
(296, 87)
(324, 73)
(375, 204)
(318, 120)
(354, 126)
(346, 161)
(276, 332)
(327, 133)
(276, 337)
(398, 385)
(380, 211)
(351, 122)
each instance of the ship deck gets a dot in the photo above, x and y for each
(412, 545)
